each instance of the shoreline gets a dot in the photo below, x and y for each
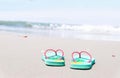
(92, 37)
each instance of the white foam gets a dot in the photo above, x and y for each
(106, 29)
(102, 32)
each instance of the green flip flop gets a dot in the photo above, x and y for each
(82, 61)
(53, 58)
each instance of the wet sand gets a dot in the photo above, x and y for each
(20, 57)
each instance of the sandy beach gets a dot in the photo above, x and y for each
(20, 57)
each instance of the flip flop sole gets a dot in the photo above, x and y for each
(82, 65)
(51, 62)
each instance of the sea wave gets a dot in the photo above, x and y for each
(79, 31)
(83, 28)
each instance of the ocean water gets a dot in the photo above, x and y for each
(78, 31)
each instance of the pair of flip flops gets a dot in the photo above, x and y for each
(79, 61)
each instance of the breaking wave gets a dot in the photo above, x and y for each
(63, 30)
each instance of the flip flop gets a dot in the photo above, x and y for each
(82, 61)
(53, 58)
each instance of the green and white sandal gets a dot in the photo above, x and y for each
(82, 61)
(54, 57)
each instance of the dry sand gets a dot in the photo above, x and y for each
(20, 57)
